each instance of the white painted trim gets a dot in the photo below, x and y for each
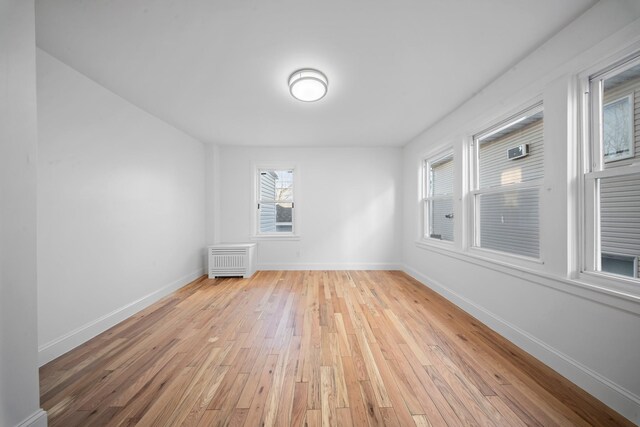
(275, 237)
(330, 266)
(617, 397)
(59, 346)
(594, 292)
(37, 419)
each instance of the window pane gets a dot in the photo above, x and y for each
(620, 108)
(495, 168)
(284, 217)
(620, 224)
(442, 177)
(276, 185)
(276, 217)
(509, 222)
(441, 219)
(617, 132)
(268, 185)
(621, 265)
(267, 220)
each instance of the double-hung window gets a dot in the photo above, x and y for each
(506, 178)
(612, 172)
(275, 201)
(438, 197)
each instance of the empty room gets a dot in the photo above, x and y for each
(339, 213)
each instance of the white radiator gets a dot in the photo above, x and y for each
(232, 259)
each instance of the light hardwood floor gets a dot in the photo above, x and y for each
(309, 348)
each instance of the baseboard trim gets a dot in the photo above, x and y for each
(618, 398)
(59, 346)
(37, 419)
(330, 266)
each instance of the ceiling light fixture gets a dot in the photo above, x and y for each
(308, 85)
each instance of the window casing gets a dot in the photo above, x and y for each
(438, 177)
(612, 173)
(507, 171)
(275, 202)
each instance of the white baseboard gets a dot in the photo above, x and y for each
(618, 398)
(330, 266)
(59, 346)
(37, 419)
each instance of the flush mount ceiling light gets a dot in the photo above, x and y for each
(308, 85)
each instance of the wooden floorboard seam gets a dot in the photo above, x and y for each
(326, 348)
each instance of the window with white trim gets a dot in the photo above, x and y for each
(612, 174)
(507, 175)
(438, 197)
(275, 202)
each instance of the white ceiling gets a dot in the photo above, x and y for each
(218, 69)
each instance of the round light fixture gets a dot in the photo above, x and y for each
(308, 85)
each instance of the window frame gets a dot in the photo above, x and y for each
(474, 190)
(426, 163)
(592, 169)
(258, 169)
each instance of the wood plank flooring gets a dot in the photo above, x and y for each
(309, 348)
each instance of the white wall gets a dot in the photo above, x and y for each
(347, 204)
(213, 189)
(19, 397)
(121, 208)
(591, 337)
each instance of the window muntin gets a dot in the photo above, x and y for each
(506, 189)
(275, 202)
(612, 178)
(438, 197)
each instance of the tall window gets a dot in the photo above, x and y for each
(612, 177)
(275, 202)
(438, 197)
(506, 180)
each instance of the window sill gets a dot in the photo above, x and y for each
(488, 255)
(614, 283)
(593, 286)
(428, 243)
(276, 237)
(503, 257)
